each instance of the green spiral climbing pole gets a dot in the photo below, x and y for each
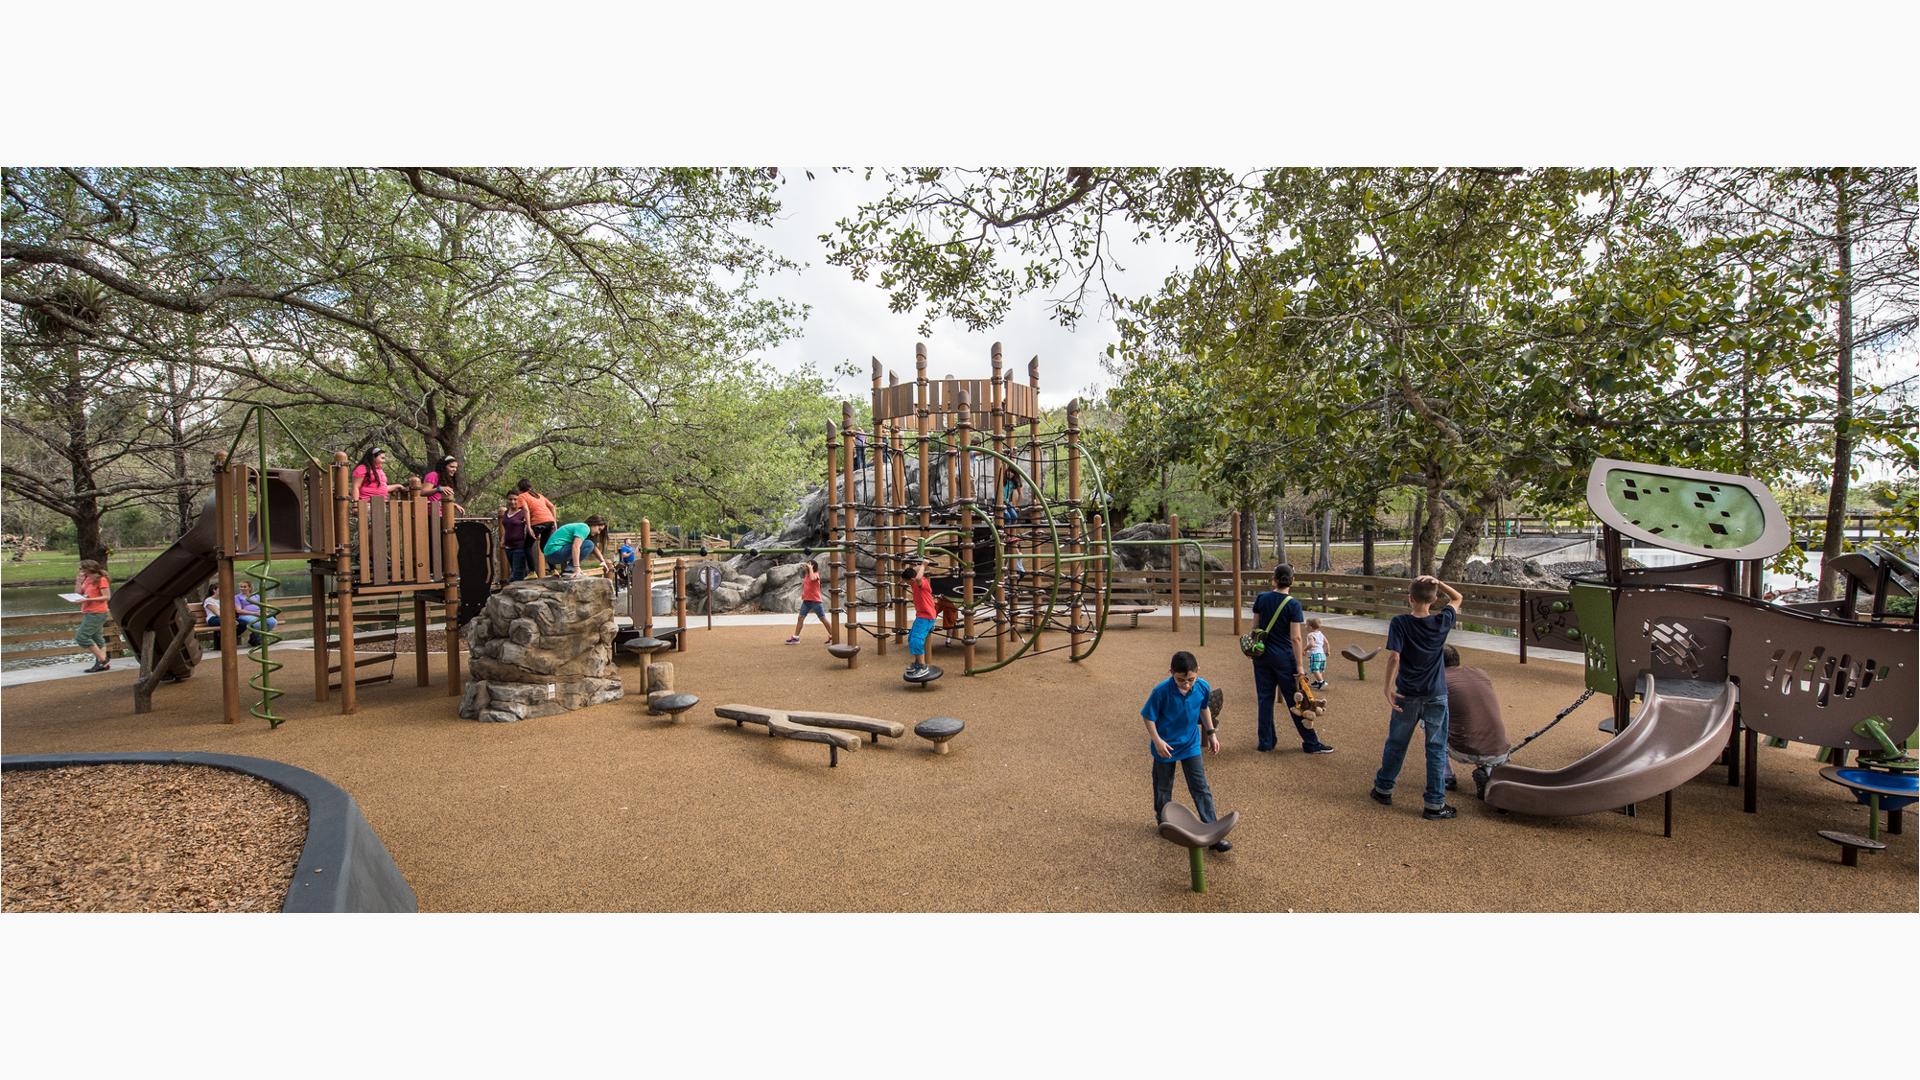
(261, 571)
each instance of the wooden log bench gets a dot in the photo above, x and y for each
(779, 725)
(1132, 613)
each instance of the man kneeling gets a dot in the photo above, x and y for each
(1476, 733)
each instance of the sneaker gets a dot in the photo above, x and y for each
(1453, 782)
(1480, 775)
(97, 666)
(794, 640)
(1224, 845)
(1441, 814)
(1381, 798)
(1317, 748)
(916, 670)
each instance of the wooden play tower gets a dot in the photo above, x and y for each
(399, 547)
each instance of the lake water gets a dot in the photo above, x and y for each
(45, 599)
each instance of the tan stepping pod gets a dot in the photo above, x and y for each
(1179, 825)
(659, 676)
(1360, 656)
(939, 731)
(1851, 845)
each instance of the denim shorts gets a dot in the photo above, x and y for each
(812, 607)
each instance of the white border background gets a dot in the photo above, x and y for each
(1630, 82)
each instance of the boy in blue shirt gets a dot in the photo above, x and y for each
(1178, 716)
(1416, 687)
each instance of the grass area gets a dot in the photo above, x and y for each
(58, 567)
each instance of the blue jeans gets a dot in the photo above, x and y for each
(1196, 786)
(559, 560)
(517, 560)
(1431, 713)
(246, 622)
(1267, 681)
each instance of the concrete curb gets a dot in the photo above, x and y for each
(343, 865)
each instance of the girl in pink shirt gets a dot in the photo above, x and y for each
(370, 476)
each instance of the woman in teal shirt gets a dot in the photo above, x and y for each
(571, 543)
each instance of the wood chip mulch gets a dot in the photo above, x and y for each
(146, 838)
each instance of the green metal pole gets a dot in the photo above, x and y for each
(1198, 864)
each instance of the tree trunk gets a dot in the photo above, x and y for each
(177, 432)
(1249, 539)
(1466, 540)
(86, 506)
(1429, 539)
(1279, 534)
(1366, 548)
(1842, 427)
(1324, 561)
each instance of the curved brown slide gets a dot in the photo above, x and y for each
(151, 599)
(1673, 740)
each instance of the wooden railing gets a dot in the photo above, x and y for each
(27, 637)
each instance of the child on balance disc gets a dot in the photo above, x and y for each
(1178, 718)
(923, 613)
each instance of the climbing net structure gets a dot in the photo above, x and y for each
(1010, 521)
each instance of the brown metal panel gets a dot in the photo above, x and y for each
(1803, 677)
(436, 553)
(363, 530)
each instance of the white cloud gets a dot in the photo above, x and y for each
(849, 320)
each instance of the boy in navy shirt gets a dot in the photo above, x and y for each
(1178, 720)
(1416, 687)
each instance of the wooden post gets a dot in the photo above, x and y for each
(966, 529)
(847, 557)
(1173, 565)
(1033, 497)
(317, 596)
(883, 538)
(643, 581)
(680, 603)
(224, 513)
(450, 568)
(343, 564)
(1239, 597)
(421, 677)
(1077, 571)
(833, 532)
(1525, 624)
(899, 517)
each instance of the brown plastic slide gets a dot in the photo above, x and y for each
(1673, 740)
(152, 599)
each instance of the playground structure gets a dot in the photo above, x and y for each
(1013, 573)
(1717, 666)
(398, 548)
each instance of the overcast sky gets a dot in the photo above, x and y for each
(849, 319)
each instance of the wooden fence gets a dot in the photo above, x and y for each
(1485, 606)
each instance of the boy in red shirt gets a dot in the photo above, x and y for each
(810, 602)
(923, 613)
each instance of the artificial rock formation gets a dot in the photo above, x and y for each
(540, 647)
